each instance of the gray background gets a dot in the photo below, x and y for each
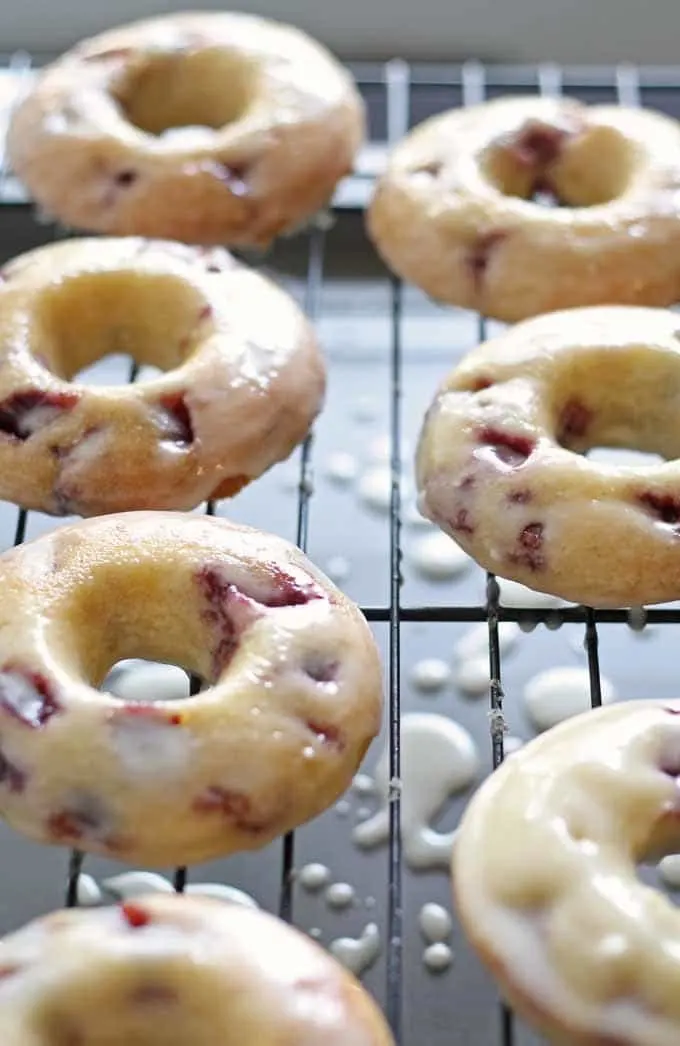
(503, 30)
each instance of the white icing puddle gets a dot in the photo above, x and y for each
(338, 569)
(339, 895)
(437, 957)
(438, 760)
(380, 449)
(515, 595)
(435, 923)
(430, 675)
(363, 784)
(375, 489)
(559, 693)
(357, 953)
(342, 468)
(412, 517)
(88, 892)
(314, 876)
(471, 653)
(148, 681)
(129, 885)
(437, 558)
(511, 744)
(669, 871)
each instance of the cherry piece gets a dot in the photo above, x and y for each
(135, 915)
(478, 257)
(24, 413)
(174, 419)
(326, 733)
(573, 421)
(508, 447)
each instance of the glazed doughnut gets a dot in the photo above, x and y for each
(552, 900)
(455, 211)
(243, 378)
(500, 465)
(294, 694)
(210, 128)
(177, 971)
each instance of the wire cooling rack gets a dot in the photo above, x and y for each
(397, 97)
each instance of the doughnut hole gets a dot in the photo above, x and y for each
(150, 1001)
(553, 164)
(155, 318)
(634, 408)
(210, 87)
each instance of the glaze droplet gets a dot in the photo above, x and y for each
(439, 759)
(437, 957)
(358, 954)
(430, 675)
(559, 693)
(435, 923)
(314, 876)
(437, 557)
(339, 895)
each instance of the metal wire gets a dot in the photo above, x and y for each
(398, 80)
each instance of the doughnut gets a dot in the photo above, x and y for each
(167, 970)
(500, 463)
(544, 872)
(209, 128)
(458, 211)
(243, 381)
(293, 692)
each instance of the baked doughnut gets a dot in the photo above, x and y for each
(544, 871)
(456, 211)
(210, 128)
(244, 377)
(500, 465)
(177, 971)
(294, 693)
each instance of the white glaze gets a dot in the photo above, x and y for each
(338, 569)
(363, 813)
(559, 693)
(472, 677)
(149, 681)
(315, 933)
(341, 468)
(669, 871)
(430, 675)
(375, 488)
(512, 744)
(314, 876)
(343, 808)
(380, 449)
(222, 892)
(339, 895)
(513, 594)
(88, 893)
(128, 885)
(435, 923)
(437, 957)
(363, 784)
(436, 557)
(149, 747)
(439, 759)
(357, 953)
(475, 642)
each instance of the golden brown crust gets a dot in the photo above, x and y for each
(293, 703)
(243, 382)
(451, 213)
(292, 135)
(189, 969)
(499, 467)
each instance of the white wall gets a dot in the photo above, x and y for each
(511, 30)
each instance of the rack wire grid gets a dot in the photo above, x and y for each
(367, 333)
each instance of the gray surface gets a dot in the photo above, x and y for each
(457, 1008)
(514, 30)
